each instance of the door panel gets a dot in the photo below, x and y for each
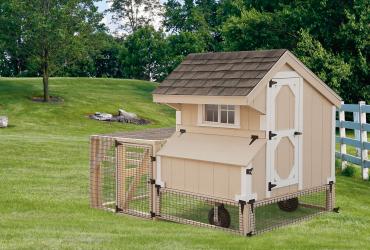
(284, 125)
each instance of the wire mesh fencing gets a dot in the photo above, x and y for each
(277, 212)
(102, 173)
(188, 208)
(134, 174)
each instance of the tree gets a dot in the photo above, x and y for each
(135, 13)
(57, 33)
(145, 54)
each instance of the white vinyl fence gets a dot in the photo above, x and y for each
(360, 141)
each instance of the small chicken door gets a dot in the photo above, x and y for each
(284, 132)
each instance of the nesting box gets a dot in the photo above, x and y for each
(254, 142)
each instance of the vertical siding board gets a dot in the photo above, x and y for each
(326, 135)
(234, 182)
(259, 174)
(221, 180)
(307, 135)
(317, 142)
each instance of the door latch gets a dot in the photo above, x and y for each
(297, 133)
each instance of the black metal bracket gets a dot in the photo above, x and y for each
(272, 83)
(336, 210)
(271, 186)
(271, 135)
(250, 234)
(117, 143)
(158, 187)
(153, 158)
(331, 186)
(242, 204)
(297, 133)
(249, 171)
(254, 138)
(152, 214)
(251, 202)
(118, 209)
(182, 131)
(151, 181)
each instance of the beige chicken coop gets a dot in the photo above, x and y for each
(253, 147)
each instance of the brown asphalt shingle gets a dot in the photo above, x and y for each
(220, 74)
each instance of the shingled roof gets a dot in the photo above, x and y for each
(219, 74)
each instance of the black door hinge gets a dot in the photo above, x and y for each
(153, 158)
(151, 181)
(271, 135)
(152, 214)
(297, 133)
(250, 234)
(182, 131)
(249, 171)
(118, 209)
(251, 202)
(254, 138)
(117, 143)
(158, 187)
(271, 186)
(242, 204)
(272, 83)
(331, 186)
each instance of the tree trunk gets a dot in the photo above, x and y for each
(45, 75)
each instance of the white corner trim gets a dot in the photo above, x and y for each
(245, 185)
(158, 180)
(332, 170)
(178, 118)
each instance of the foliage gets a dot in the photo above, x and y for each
(349, 171)
(145, 54)
(330, 37)
(135, 13)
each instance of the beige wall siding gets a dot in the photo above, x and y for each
(317, 133)
(259, 174)
(249, 122)
(200, 177)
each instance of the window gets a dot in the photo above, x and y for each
(219, 115)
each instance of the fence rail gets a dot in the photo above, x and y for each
(360, 142)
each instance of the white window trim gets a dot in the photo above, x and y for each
(202, 122)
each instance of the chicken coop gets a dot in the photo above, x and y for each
(252, 148)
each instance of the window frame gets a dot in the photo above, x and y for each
(202, 121)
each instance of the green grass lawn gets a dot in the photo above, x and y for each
(44, 179)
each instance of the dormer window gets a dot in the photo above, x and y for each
(219, 115)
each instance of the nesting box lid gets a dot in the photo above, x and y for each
(228, 150)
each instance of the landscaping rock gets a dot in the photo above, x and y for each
(101, 116)
(3, 121)
(123, 116)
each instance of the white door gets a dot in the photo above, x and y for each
(284, 131)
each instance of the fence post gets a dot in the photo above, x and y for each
(342, 134)
(356, 119)
(363, 138)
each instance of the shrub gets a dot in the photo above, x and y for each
(349, 171)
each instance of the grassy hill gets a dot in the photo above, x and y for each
(44, 179)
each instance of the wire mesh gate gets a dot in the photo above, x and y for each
(134, 171)
(120, 175)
